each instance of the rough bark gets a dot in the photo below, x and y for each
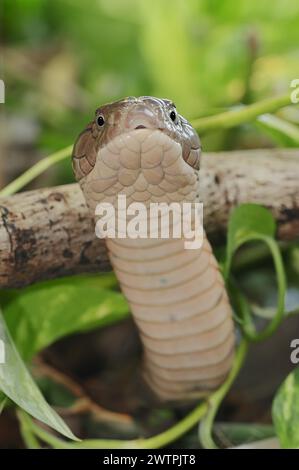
(49, 233)
(46, 234)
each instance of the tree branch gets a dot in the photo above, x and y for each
(49, 233)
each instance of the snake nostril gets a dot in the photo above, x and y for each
(140, 127)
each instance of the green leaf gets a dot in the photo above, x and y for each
(245, 222)
(251, 222)
(41, 314)
(285, 411)
(18, 385)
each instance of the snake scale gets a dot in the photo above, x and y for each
(143, 149)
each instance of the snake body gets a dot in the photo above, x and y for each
(143, 149)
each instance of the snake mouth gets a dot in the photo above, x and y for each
(141, 126)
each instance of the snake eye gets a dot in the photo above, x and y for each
(100, 120)
(172, 115)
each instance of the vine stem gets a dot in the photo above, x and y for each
(206, 426)
(35, 171)
(154, 442)
(248, 326)
(160, 440)
(223, 120)
(242, 114)
(26, 430)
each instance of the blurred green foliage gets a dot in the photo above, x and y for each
(63, 58)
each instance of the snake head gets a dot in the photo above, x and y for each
(130, 114)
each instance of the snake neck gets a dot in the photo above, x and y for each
(177, 296)
(179, 303)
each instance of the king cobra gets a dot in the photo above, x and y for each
(143, 149)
